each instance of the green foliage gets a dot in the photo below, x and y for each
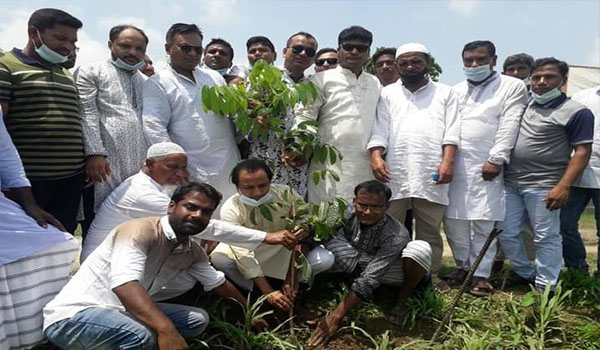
(323, 219)
(585, 289)
(429, 305)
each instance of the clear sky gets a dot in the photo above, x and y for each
(569, 30)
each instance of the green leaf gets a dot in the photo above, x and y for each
(206, 106)
(323, 173)
(316, 177)
(528, 299)
(332, 156)
(334, 175)
(253, 217)
(266, 212)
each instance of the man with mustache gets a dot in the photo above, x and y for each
(116, 298)
(417, 131)
(111, 96)
(386, 70)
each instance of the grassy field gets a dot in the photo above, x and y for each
(509, 319)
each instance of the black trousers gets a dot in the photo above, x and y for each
(60, 198)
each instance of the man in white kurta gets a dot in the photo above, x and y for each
(173, 112)
(417, 129)
(35, 257)
(144, 194)
(490, 111)
(111, 98)
(345, 110)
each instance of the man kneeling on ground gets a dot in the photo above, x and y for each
(248, 268)
(113, 301)
(377, 248)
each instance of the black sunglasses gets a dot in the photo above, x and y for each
(351, 47)
(321, 62)
(310, 52)
(188, 48)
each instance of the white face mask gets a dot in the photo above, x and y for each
(47, 54)
(119, 63)
(267, 198)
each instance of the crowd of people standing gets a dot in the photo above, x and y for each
(131, 154)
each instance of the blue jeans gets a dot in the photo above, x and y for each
(100, 328)
(546, 235)
(573, 247)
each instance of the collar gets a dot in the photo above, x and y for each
(347, 71)
(172, 237)
(554, 103)
(24, 58)
(495, 75)
(194, 73)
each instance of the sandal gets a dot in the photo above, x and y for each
(440, 285)
(397, 314)
(456, 277)
(481, 287)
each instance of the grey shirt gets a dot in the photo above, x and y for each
(545, 141)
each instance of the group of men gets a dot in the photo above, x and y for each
(496, 150)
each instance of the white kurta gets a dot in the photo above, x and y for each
(137, 197)
(490, 117)
(173, 112)
(591, 174)
(111, 99)
(345, 110)
(412, 128)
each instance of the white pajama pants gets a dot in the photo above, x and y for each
(466, 238)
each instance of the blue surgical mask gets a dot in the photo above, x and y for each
(477, 74)
(547, 97)
(222, 71)
(47, 54)
(255, 203)
(119, 63)
(526, 81)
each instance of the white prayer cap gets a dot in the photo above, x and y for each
(411, 47)
(164, 149)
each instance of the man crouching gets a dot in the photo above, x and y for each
(378, 249)
(113, 301)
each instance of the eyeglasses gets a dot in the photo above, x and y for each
(322, 61)
(375, 209)
(359, 48)
(310, 52)
(188, 48)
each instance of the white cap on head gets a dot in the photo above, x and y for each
(411, 47)
(164, 149)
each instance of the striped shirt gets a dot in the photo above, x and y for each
(43, 117)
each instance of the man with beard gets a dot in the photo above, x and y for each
(111, 97)
(173, 111)
(345, 110)
(491, 105)
(115, 298)
(417, 129)
(299, 54)
(386, 70)
(326, 58)
(218, 55)
(144, 194)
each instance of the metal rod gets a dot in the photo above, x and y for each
(466, 283)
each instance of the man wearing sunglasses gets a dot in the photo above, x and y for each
(299, 54)
(173, 111)
(325, 59)
(377, 249)
(345, 110)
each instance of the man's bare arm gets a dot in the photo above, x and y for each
(137, 302)
(559, 194)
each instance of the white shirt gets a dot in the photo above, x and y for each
(137, 197)
(132, 253)
(345, 110)
(12, 173)
(172, 111)
(490, 118)
(412, 128)
(591, 174)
